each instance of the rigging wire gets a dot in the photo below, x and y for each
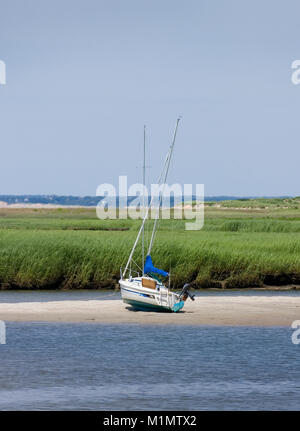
(163, 178)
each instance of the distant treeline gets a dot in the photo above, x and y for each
(94, 200)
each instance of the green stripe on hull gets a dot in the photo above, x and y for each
(144, 306)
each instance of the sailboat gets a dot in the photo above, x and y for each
(146, 291)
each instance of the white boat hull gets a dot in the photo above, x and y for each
(139, 296)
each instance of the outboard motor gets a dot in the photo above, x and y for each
(185, 293)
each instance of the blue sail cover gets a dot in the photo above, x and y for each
(150, 268)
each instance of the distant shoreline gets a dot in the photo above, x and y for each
(4, 205)
(69, 201)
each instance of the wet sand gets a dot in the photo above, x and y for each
(212, 310)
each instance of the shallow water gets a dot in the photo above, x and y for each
(14, 296)
(110, 367)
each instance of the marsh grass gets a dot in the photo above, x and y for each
(44, 249)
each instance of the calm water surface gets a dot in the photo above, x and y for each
(92, 366)
(14, 296)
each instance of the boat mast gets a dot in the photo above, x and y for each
(164, 184)
(144, 185)
(162, 175)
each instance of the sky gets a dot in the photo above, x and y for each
(84, 76)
